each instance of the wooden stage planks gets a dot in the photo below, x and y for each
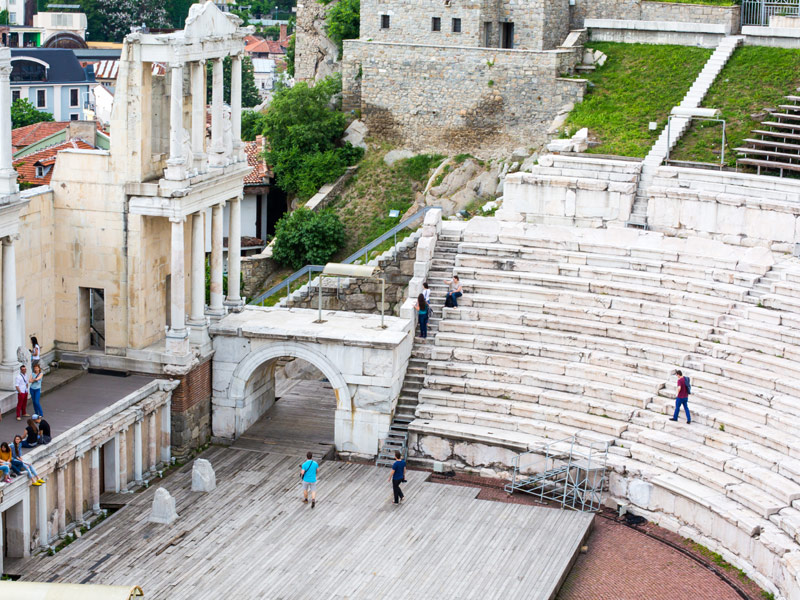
(252, 538)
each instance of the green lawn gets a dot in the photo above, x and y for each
(755, 78)
(639, 83)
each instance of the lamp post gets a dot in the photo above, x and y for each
(345, 270)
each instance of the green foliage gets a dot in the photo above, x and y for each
(290, 55)
(755, 77)
(3, 17)
(24, 113)
(417, 167)
(639, 83)
(177, 11)
(343, 22)
(460, 158)
(250, 95)
(252, 124)
(302, 132)
(304, 237)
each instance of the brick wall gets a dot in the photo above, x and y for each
(191, 410)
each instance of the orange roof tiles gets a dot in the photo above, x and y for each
(22, 137)
(255, 159)
(47, 157)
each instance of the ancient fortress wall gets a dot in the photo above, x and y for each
(501, 98)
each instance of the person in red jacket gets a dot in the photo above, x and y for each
(682, 398)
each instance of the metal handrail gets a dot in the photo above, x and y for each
(308, 269)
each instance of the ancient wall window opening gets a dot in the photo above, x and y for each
(507, 35)
(487, 34)
(456, 25)
(91, 319)
(385, 21)
(436, 23)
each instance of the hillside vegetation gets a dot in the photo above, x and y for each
(755, 78)
(639, 83)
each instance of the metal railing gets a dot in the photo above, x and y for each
(758, 12)
(309, 269)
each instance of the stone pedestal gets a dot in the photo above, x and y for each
(163, 509)
(203, 477)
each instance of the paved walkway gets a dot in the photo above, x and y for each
(74, 402)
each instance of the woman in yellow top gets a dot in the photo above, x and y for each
(5, 462)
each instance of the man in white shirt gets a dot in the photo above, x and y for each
(21, 383)
(426, 292)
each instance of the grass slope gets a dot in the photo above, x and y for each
(639, 83)
(755, 78)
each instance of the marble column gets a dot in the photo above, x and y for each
(41, 516)
(216, 309)
(77, 492)
(94, 480)
(197, 317)
(152, 442)
(8, 176)
(61, 492)
(217, 156)
(236, 107)
(234, 301)
(10, 330)
(177, 336)
(166, 432)
(199, 116)
(176, 163)
(123, 460)
(137, 453)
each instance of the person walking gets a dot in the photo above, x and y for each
(426, 292)
(19, 465)
(36, 351)
(36, 388)
(423, 308)
(308, 473)
(398, 476)
(454, 291)
(21, 383)
(682, 399)
(44, 429)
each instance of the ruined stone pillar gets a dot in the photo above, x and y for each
(77, 512)
(216, 310)
(217, 157)
(61, 494)
(166, 432)
(199, 116)
(137, 453)
(94, 480)
(10, 329)
(176, 164)
(8, 176)
(177, 336)
(41, 515)
(234, 301)
(151, 442)
(197, 317)
(123, 460)
(236, 107)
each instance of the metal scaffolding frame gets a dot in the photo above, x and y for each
(574, 474)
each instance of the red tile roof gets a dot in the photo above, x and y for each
(260, 173)
(22, 137)
(47, 157)
(266, 47)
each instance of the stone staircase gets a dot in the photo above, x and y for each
(678, 125)
(441, 269)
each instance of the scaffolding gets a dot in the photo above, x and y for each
(574, 475)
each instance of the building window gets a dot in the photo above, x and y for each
(74, 97)
(12, 18)
(385, 21)
(436, 24)
(456, 25)
(14, 95)
(73, 116)
(41, 98)
(41, 171)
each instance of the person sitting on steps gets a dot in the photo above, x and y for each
(454, 291)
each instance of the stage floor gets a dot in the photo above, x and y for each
(253, 538)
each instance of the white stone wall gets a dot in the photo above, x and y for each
(777, 37)
(571, 190)
(704, 35)
(737, 208)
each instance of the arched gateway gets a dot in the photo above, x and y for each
(364, 364)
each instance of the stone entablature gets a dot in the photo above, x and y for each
(133, 431)
(501, 99)
(364, 364)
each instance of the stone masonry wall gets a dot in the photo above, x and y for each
(639, 10)
(191, 410)
(364, 295)
(502, 99)
(315, 56)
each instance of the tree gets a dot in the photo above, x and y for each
(343, 22)
(177, 11)
(304, 237)
(111, 20)
(290, 55)
(24, 113)
(302, 132)
(250, 96)
(3, 17)
(252, 124)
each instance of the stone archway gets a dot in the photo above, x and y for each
(363, 363)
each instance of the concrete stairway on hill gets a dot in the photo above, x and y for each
(677, 126)
(442, 265)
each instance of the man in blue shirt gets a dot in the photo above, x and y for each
(398, 476)
(308, 473)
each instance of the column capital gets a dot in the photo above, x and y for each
(5, 72)
(176, 65)
(178, 219)
(10, 239)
